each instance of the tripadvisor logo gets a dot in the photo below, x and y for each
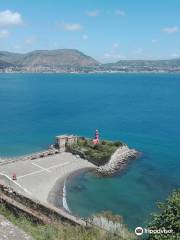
(139, 231)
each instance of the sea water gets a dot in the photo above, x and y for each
(143, 110)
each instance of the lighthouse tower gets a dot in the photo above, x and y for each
(96, 137)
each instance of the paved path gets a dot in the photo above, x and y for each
(8, 231)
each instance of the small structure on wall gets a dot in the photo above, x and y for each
(63, 140)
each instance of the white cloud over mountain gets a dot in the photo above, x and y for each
(171, 30)
(93, 13)
(4, 33)
(9, 18)
(71, 26)
(120, 13)
(31, 40)
(85, 37)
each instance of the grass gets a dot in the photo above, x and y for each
(57, 231)
(98, 154)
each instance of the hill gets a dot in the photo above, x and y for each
(49, 58)
(4, 64)
(70, 60)
(11, 58)
(136, 64)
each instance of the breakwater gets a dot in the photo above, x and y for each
(117, 161)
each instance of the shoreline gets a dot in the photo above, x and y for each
(84, 73)
(57, 195)
(43, 178)
(56, 168)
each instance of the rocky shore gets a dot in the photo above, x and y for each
(117, 161)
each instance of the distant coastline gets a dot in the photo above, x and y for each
(75, 61)
(96, 72)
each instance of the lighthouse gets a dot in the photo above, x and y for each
(96, 137)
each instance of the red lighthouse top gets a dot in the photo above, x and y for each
(96, 138)
(97, 134)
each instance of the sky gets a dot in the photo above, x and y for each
(108, 30)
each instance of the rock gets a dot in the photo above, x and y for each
(118, 160)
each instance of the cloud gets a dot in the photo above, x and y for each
(8, 18)
(30, 40)
(171, 30)
(113, 56)
(174, 55)
(116, 45)
(17, 47)
(154, 40)
(85, 37)
(4, 33)
(120, 13)
(71, 26)
(93, 13)
(138, 51)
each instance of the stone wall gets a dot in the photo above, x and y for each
(33, 206)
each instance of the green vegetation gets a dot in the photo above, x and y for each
(145, 63)
(57, 231)
(98, 154)
(168, 218)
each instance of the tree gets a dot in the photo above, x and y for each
(167, 219)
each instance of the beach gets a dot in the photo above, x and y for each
(57, 195)
(42, 176)
(43, 179)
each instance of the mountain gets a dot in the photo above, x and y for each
(70, 60)
(11, 58)
(49, 58)
(4, 64)
(171, 63)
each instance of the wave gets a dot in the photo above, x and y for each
(65, 205)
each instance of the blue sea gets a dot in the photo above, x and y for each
(142, 110)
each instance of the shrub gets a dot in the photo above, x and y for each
(98, 154)
(168, 218)
(58, 231)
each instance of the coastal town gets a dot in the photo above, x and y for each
(99, 69)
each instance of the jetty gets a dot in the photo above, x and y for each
(118, 161)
